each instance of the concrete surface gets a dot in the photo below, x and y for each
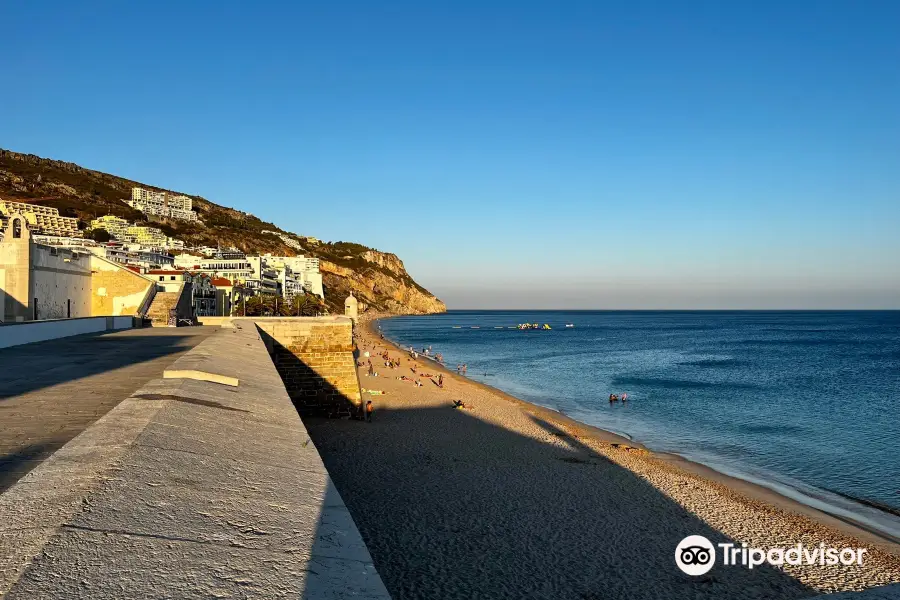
(187, 489)
(51, 391)
(29, 332)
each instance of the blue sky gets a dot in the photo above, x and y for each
(513, 154)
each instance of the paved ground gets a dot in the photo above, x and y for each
(188, 489)
(51, 391)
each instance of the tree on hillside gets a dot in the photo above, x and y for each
(98, 235)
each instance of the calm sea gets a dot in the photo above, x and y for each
(807, 403)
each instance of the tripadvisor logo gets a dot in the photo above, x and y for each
(696, 555)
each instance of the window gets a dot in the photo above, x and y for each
(17, 228)
(161, 278)
(172, 278)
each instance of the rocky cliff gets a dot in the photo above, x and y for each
(378, 279)
(393, 291)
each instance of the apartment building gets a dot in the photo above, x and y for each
(147, 236)
(113, 225)
(162, 204)
(161, 199)
(123, 231)
(298, 274)
(41, 219)
(228, 264)
(265, 278)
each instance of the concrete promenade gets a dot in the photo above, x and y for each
(187, 489)
(51, 391)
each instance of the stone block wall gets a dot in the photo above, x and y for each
(116, 290)
(315, 358)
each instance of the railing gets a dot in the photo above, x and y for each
(144, 308)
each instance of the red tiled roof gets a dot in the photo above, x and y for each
(221, 281)
(133, 268)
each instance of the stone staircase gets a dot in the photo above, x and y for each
(158, 313)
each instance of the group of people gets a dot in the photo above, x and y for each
(367, 410)
(461, 369)
(616, 398)
(425, 352)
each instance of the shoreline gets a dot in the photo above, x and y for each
(754, 491)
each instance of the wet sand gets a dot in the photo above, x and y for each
(505, 499)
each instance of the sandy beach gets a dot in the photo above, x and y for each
(504, 499)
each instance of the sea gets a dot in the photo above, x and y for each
(804, 403)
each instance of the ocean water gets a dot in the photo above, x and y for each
(806, 403)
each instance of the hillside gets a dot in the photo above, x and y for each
(378, 279)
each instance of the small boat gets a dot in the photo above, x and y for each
(546, 326)
(569, 325)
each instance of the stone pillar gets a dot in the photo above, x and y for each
(16, 282)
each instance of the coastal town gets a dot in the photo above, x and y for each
(604, 303)
(182, 282)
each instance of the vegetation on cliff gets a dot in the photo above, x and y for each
(378, 279)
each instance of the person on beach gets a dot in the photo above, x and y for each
(441, 380)
(369, 410)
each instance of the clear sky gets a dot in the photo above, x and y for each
(514, 154)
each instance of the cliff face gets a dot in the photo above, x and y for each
(393, 291)
(378, 279)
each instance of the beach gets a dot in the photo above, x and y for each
(505, 499)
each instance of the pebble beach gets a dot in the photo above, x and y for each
(503, 499)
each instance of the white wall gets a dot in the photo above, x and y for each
(61, 283)
(39, 331)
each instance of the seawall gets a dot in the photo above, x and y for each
(189, 488)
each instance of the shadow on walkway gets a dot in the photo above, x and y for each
(30, 367)
(51, 391)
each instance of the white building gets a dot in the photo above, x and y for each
(230, 265)
(162, 199)
(265, 278)
(134, 255)
(302, 270)
(162, 204)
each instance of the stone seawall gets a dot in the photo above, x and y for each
(315, 358)
(188, 489)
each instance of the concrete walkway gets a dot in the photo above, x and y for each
(188, 489)
(52, 391)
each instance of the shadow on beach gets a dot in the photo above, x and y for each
(453, 507)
